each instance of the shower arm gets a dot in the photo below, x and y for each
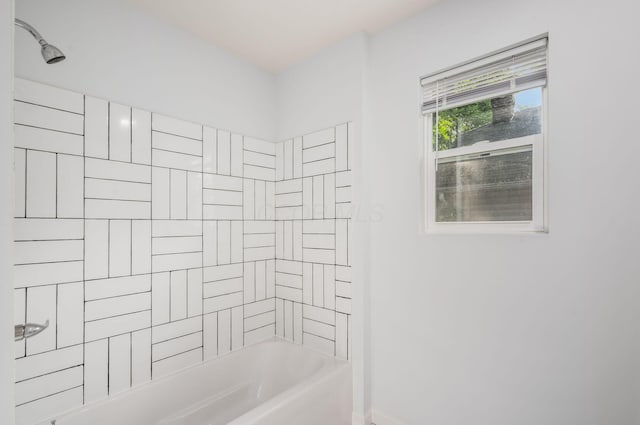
(50, 53)
(31, 30)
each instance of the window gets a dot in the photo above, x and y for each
(484, 142)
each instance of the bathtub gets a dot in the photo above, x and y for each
(270, 383)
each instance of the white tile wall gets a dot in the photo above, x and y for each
(313, 240)
(152, 243)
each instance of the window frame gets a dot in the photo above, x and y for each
(538, 142)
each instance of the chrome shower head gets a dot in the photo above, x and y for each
(50, 53)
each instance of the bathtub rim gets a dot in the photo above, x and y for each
(332, 364)
(326, 373)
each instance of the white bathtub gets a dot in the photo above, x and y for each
(271, 383)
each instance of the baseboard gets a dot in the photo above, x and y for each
(358, 419)
(382, 419)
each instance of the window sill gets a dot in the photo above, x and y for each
(485, 229)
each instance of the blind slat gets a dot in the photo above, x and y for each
(489, 77)
(509, 71)
(498, 68)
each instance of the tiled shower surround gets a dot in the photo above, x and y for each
(151, 244)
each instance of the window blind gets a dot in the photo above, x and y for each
(514, 69)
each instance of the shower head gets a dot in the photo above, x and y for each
(50, 53)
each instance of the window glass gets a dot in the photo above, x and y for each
(492, 186)
(501, 118)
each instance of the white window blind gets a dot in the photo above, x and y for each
(514, 69)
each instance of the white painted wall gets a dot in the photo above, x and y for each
(6, 212)
(503, 330)
(322, 91)
(117, 52)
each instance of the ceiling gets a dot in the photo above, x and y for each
(274, 34)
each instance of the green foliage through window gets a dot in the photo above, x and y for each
(452, 123)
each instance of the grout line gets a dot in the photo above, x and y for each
(108, 131)
(84, 251)
(26, 183)
(131, 135)
(130, 359)
(179, 153)
(176, 337)
(131, 247)
(117, 180)
(178, 135)
(108, 364)
(259, 166)
(177, 354)
(108, 247)
(48, 107)
(49, 373)
(118, 315)
(56, 183)
(49, 395)
(48, 129)
(320, 145)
